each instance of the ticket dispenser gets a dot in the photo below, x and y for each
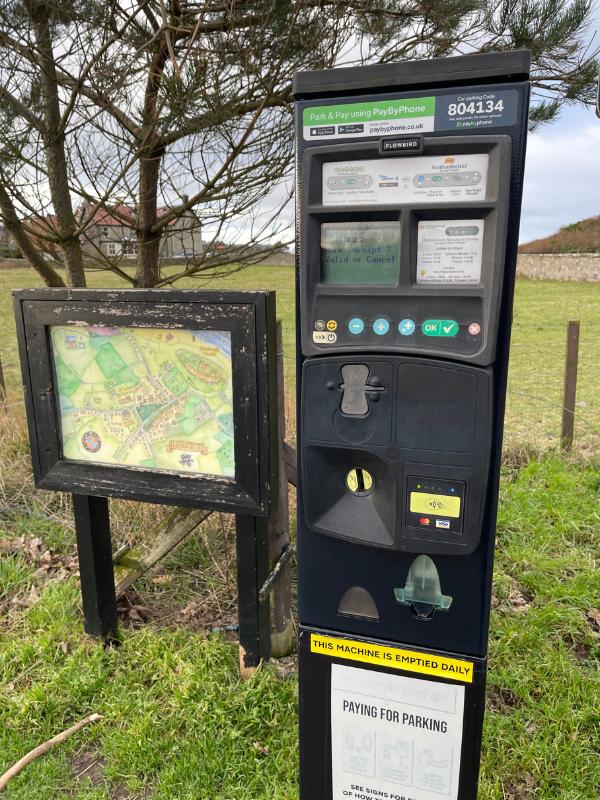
(408, 200)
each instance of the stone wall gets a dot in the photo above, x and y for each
(559, 266)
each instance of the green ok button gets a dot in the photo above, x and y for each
(439, 327)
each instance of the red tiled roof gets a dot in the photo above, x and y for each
(120, 214)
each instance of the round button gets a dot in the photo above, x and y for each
(356, 325)
(406, 327)
(381, 326)
(474, 328)
(331, 325)
(319, 324)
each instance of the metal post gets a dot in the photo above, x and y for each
(252, 544)
(92, 527)
(570, 388)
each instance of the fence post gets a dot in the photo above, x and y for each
(282, 626)
(570, 388)
(2, 386)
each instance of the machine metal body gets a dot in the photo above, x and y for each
(409, 190)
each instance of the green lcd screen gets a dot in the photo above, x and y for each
(360, 252)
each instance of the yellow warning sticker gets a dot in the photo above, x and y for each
(440, 504)
(394, 657)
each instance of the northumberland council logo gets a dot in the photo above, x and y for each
(91, 441)
(449, 160)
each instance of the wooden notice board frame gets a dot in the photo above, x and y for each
(249, 317)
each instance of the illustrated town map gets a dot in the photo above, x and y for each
(152, 398)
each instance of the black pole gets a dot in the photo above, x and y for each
(252, 571)
(92, 527)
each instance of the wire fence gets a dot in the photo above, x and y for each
(535, 396)
(536, 386)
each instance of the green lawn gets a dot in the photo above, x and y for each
(542, 310)
(177, 721)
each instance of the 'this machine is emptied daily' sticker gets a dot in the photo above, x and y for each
(394, 736)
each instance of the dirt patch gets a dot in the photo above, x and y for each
(593, 618)
(89, 765)
(136, 609)
(518, 600)
(581, 650)
(48, 563)
(48, 566)
(286, 667)
(501, 700)
(515, 457)
(523, 789)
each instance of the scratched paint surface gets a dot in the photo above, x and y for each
(151, 398)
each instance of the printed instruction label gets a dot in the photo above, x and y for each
(468, 109)
(419, 179)
(449, 251)
(392, 657)
(394, 737)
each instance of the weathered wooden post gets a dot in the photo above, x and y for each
(570, 386)
(263, 556)
(282, 627)
(2, 386)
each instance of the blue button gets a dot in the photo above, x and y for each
(406, 327)
(381, 326)
(356, 325)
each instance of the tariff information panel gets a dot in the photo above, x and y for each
(394, 736)
(449, 251)
(389, 181)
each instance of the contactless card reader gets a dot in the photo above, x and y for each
(409, 186)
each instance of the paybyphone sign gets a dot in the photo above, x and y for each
(388, 117)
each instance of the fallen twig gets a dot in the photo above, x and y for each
(44, 748)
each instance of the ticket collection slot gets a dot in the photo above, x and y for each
(407, 231)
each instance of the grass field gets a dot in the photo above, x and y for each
(177, 722)
(542, 310)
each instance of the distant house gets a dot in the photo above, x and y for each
(111, 233)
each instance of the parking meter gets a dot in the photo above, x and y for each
(408, 200)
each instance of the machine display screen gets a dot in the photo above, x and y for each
(360, 252)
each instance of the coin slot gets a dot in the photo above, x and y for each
(359, 481)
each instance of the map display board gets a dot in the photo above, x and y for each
(158, 395)
(146, 397)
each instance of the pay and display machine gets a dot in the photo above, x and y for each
(408, 200)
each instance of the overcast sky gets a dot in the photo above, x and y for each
(562, 174)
